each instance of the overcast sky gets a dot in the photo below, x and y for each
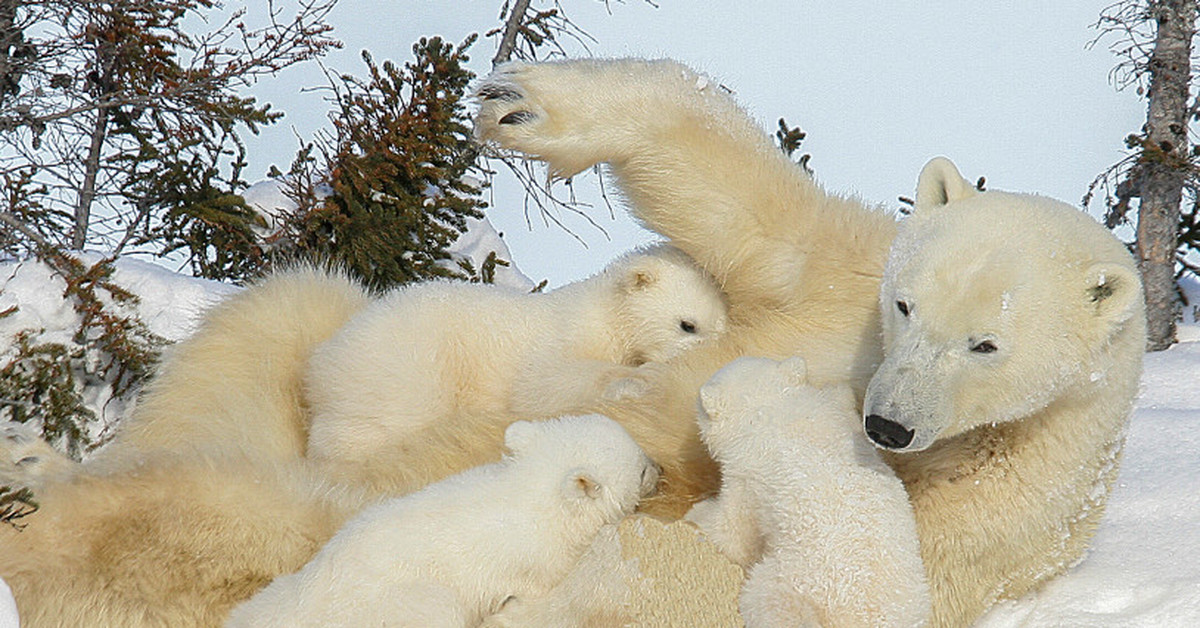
(1007, 90)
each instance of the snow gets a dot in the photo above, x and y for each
(1141, 570)
(8, 608)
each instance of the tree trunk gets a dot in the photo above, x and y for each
(11, 39)
(1165, 159)
(87, 191)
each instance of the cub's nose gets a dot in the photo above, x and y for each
(886, 433)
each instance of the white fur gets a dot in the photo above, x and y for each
(455, 552)
(806, 505)
(1027, 439)
(421, 383)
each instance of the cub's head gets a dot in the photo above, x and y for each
(590, 461)
(996, 305)
(665, 304)
(752, 398)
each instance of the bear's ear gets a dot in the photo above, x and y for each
(580, 484)
(939, 184)
(520, 435)
(1114, 293)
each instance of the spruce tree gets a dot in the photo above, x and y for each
(399, 172)
(120, 128)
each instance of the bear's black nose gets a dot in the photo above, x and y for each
(887, 433)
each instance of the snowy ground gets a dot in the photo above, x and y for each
(1141, 572)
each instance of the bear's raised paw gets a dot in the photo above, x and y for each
(576, 114)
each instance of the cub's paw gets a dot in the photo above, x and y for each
(26, 459)
(641, 383)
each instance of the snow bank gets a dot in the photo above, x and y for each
(8, 608)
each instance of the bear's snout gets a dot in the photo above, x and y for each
(888, 433)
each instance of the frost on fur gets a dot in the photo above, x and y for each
(516, 527)
(422, 382)
(822, 524)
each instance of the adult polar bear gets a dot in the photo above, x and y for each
(1027, 347)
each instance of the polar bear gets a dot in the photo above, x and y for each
(234, 386)
(422, 383)
(166, 541)
(203, 496)
(802, 270)
(1012, 363)
(807, 505)
(457, 550)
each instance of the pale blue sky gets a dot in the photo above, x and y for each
(1007, 90)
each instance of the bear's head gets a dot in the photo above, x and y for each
(665, 304)
(752, 397)
(995, 306)
(590, 461)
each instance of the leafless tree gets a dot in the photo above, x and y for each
(1153, 39)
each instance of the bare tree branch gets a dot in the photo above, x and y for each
(512, 29)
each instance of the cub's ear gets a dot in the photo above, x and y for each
(580, 484)
(639, 277)
(1114, 294)
(712, 402)
(939, 184)
(520, 436)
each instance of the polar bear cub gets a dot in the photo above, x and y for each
(806, 503)
(456, 551)
(422, 383)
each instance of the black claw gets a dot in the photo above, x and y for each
(499, 92)
(519, 117)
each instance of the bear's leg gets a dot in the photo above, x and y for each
(28, 461)
(691, 162)
(770, 599)
(728, 521)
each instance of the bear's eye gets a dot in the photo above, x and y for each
(903, 307)
(687, 326)
(987, 346)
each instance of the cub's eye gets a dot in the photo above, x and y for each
(903, 307)
(687, 326)
(987, 346)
